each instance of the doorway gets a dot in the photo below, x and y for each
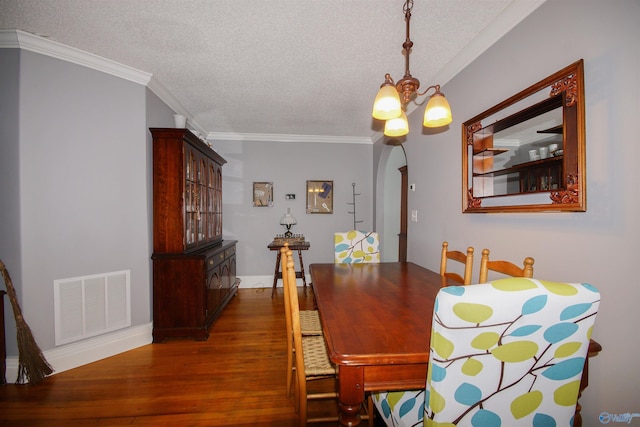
(392, 172)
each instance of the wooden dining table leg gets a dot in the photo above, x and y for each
(350, 394)
(276, 274)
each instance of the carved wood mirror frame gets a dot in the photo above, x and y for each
(527, 154)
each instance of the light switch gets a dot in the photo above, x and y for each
(412, 187)
(414, 215)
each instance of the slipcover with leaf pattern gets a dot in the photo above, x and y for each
(506, 353)
(356, 247)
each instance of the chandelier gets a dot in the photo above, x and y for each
(390, 107)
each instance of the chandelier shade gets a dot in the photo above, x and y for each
(387, 103)
(398, 126)
(437, 113)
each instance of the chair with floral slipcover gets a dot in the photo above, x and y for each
(510, 352)
(356, 247)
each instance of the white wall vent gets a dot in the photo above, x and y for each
(91, 305)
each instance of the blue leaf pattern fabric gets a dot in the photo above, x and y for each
(467, 394)
(534, 305)
(565, 369)
(543, 420)
(523, 331)
(484, 418)
(544, 327)
(543, 331)
(574, 311)
(355, 246)
(560, 332)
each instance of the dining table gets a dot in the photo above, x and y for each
(376, 320)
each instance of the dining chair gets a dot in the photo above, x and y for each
(312, 362)
(355, 246)
(504, 267)
(311, 359)
(510, 352)
(466, 259)
(309, 319)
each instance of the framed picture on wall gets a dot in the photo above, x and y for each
(262, 194)
(319, 197)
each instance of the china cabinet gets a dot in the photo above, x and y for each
(194, 270)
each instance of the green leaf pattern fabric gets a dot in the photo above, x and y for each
(516, 350)
(355, 246)
(503, 354)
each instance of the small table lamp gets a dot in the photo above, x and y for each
(288, 221)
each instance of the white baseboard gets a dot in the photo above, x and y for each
(81, 353)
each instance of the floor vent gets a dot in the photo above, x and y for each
(91, 305)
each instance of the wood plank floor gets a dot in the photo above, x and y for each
(236, 378)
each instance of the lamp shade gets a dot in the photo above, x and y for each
(288, 219)
(387, 103)
(438, 112)
(397, 127)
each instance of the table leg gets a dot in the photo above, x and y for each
(275, 275)
(304, 279)
(350, 394)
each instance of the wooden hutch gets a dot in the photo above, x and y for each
(194, 270)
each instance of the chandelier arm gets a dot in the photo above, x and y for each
(436, 87)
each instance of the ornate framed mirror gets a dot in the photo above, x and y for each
(527, 154)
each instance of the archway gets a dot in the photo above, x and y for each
(394, 201)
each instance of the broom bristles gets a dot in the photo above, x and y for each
(32, 366)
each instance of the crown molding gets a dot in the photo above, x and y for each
(275, 137)
(31, 42)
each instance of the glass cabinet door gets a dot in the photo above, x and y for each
(190, 196)
(201, 212)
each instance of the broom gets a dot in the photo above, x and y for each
(32, 366)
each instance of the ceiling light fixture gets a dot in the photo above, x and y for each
(388, 105)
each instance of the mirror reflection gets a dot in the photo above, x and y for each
(527, 153)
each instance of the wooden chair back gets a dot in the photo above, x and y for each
(466, 259)
(504, 267)
(284, 256)
(296, 332)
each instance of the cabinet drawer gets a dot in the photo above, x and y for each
(230, 251)
(214, 260)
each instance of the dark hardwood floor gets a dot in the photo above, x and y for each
(236, 378)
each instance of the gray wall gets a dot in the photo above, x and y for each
(288, 165)
(10, 245)
(82, 177)
(597, 246)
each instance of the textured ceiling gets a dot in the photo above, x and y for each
(283, 67)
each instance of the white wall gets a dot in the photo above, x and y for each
(597, 246)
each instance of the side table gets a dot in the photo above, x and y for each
(275, 246)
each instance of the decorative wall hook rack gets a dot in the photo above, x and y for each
(355, 221)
